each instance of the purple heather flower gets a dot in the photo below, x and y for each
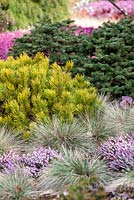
(33, 162)
(8, 161)
(119, 152)
(126, 102)
(38, 160)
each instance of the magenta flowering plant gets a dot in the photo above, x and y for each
(106, 9)
(119, 152)
(32, 162)
(7, 41)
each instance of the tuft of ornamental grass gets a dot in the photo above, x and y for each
(69, 169)
(116, 119)
(130, 120)
(110, 119)
(17, 185)
(95, 126)
(9, 141)
(55, 133)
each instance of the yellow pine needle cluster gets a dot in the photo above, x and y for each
(32, 90)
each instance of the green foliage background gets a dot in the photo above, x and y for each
(25, 13)
(84, 191)
(112, 46)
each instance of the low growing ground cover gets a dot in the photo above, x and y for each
(104, 169)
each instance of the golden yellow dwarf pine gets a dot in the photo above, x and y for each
(32, 90)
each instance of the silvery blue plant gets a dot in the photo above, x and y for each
(17, 185)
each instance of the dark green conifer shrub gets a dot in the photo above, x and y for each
(106, 58)
(53, 40)
(31, 89)
(112, 70)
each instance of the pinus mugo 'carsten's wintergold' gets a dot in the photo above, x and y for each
(32, 89)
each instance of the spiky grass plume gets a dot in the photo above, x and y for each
(123, 179)
(9, 141)
(116, 119)
(130, 119)
(96, 124)
(56, 133)
(17, 185)
(69, 169)
(109, 120)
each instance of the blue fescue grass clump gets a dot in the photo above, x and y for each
(17, 185)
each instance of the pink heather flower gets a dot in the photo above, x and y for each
(7, 41)
(106, 9)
